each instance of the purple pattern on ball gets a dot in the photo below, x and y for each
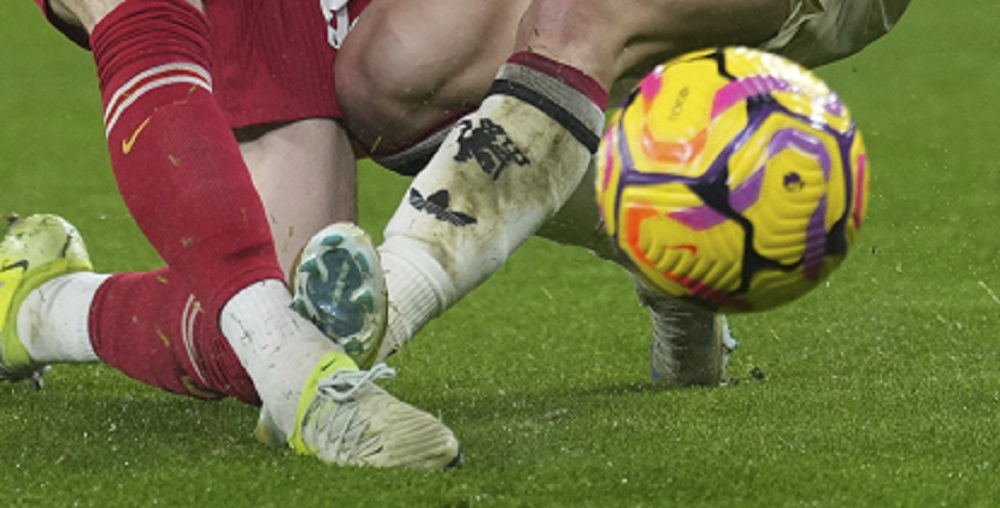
(698, 218)
(812, 258)
(747, 193)
(754, 86)
(804, 141)
(702, 217)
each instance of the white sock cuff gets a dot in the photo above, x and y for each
(53, 322)
(419, 288)
(277, 347)
(568, 106)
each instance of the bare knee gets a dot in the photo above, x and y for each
(386, 95)
(409, 64)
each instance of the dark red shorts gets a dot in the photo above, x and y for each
(272, 61)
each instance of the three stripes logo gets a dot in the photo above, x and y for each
(437, 205)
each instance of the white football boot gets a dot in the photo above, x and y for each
(339, 285)
(344, 418)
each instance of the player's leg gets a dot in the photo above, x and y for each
(819, 32)
(396, 99)
(591, 35)
(690, 345)
(54, 310)
(45, 293)
(306, 175)
(152, 61)
(411, 66)
(395, 96)
(280, 100)
(150, 327)
(513, 162)
(665, 30)
(297, 167)
(180, 172)
(574, 32)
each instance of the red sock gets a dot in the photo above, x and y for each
(178, 166)
(150, 327)
(568, 74)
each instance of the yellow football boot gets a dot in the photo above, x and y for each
(34, 250)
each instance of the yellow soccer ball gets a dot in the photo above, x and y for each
(732, 178)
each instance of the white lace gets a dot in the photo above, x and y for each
(335, 424)
(341, 386)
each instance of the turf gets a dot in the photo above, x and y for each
(880, 389)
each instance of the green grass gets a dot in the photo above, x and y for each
(880, 389)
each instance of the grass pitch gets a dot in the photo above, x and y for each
(880, 389)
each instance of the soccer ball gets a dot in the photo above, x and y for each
(733, 178)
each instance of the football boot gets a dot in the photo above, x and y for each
(33, 251)
(338, 284)
(344, 418)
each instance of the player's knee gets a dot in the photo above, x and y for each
(359, 81)
(386, 96)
